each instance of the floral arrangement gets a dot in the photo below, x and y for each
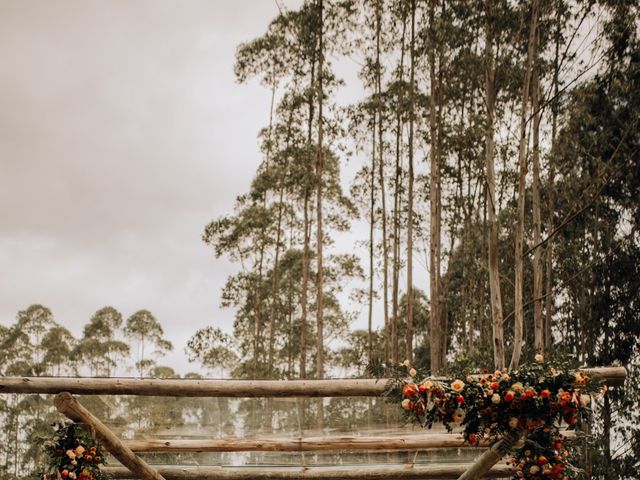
(534, 402)
(74, 454)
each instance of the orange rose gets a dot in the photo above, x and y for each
(409, 390)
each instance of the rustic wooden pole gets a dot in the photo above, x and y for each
(70, 407)
(491, 456)
(310, 444)
(194, 388)
(612, 376)
(408, 472)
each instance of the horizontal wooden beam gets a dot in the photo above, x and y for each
(424, 441)
(194, 388)
(612, 376)
(316, 473)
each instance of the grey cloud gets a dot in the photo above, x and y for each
(122, 132)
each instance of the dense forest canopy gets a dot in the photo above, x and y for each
(498, 139)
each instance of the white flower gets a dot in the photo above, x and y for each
(72, 475)
(585, 400)
(412, 372)
(406, 363)
(539, 357)
(495, 398)
(71, 454)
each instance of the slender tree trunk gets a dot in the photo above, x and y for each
(257, 346)
(606, 415)
(305, 288)
(372, 221)
(537, 218)
(492, 240)
(258, 296)
(275, 280)
(385, 253)
(441, 288)
(290, 328)
(396, 264)
(264, 202)
(522, 163)
(319, 239)
(409, 339)
(548, 309)
(435, 326)
(306, 227)
(396, 212)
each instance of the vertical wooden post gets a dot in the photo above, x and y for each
(70, 407)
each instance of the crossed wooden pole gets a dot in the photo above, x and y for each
(72, 409)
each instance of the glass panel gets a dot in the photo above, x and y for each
(132, 417)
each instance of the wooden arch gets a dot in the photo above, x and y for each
(134, 467)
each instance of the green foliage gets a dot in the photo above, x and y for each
(212, 348)
(145, 331)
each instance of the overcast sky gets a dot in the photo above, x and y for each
(122, 133)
